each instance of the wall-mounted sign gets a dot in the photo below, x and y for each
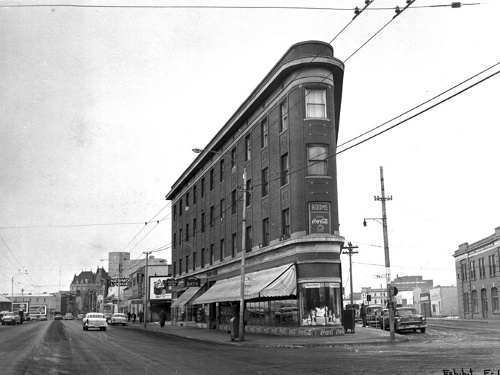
(172, 282)
(159, 288)
(119, 281)
(191, 281)
(319, 218)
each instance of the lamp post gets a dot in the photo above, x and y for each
(146, 294)
(12, 291)
(243, 245)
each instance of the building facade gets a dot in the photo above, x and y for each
(409, 283)
(477, 269)
(443, 301)
(283, 140)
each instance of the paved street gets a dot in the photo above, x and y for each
(62, 347)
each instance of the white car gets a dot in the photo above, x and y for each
(94, 320)
(119, 318)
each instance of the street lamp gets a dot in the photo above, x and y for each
(12, 291)
(243, 244)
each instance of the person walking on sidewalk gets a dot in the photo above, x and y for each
(163, 318)
(362, 312)
(133, 317)
(141, 314)
(129, 316)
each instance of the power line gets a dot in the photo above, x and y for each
(70, 225)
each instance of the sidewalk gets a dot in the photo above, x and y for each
(362, 336)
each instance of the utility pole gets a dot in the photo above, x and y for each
(386, 252)
(119, 283)
(146, 294)
(350, 253)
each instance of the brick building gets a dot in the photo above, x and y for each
(284, 135)
(477, 269)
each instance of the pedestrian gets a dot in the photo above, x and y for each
(129, 316)
(141, 314)
(133, 317)
(362, 312)
(163, 318)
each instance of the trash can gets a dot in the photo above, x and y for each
(234, 324)
(349, 319)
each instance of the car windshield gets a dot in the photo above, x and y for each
(118, 315)
(95, 316)
(406, 312)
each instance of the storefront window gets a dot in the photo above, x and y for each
(320, 303)
(274, 313)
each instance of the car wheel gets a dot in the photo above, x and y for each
(422, 330)
(414, 330)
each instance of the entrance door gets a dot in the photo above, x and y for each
(484, 303)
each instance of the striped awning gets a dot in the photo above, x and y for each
(274, 282)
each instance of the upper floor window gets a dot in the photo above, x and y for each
(265, 182)
(222, 175)
(181, 207)
(194, 227)
(203, 187)
(248, 192)
(284, 169)
(211, 179)
(315, 103)
(233, 202)
(491, 264)
(482, 268)
(284, 116)
(234, 245)
(175, 212)
(222, 250)
(187, 200)
(248, 148)
(203, 222)
(212, 216)
(285, 222)
(222, 209)
(194, 261)
(317, 161)
(194, 194)
(265, 232)
(473, 269)
(180, 237)
(248, 239)
(233, 158)
(264, 129)
(187, 232)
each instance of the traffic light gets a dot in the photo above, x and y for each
(369, 297)
(393, 291)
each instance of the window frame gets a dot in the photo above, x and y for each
(264, 133)
(312, 106)
(265, 182)
(284, 116)
(285, 168)
(313, 162)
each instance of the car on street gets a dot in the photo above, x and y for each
(405, 319)
(58, 317)
(373, 315)
(119, 318)
(9, 318)
(80, 316)
(42, 317)
(94, 320)
(108, 316)
(69, 316)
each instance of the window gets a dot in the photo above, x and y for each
(222, 250)
(284, 116)
(264, 129)
(194, 261)
(492, 265)
(194, 227)
(248, 192)
(316, 160)
(233, 202)
(203, 187)
(212, 214)
(187, 263)
(180, 237)
(464, 271)
(494, 300)
(212, 255)
(175, 239)
(475, 304)
(202, 221)
(473, 270)
(187, 200)
(222, 176)
(265, 232)
(175, 212)
(211, 179)
(175, 268)
(265, 182)
(248, 148)
(187, 232)
(285, 222)
(316, 103)
(284, 169)
(194, 194)
(248, 239)
(222, 209)
(482, 268)
(234, 245)
(202, 258)
(180, 266)
(233, 158)
(181, 207)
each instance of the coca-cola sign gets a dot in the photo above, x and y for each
(319, 218)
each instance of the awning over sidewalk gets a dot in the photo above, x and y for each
(274, 282)
(185, 297)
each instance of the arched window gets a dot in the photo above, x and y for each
(494, 300)
(475, 304)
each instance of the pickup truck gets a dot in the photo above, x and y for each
(94, 320)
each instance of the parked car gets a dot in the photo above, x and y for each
(42, 317)
(108, 317)
(405, 319)
(80, 316)
(94, 320)
(9, 318)
(58, 317)
(69, 316)
(119, 318)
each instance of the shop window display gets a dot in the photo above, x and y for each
(321, 304)
(274, 313)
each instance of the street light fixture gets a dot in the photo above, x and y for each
(243, 243)
(12, 291)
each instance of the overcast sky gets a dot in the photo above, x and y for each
(101, 106)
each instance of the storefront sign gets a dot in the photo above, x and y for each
(192, 281)
(172, 282)
(311, 285)
(119, 281)
(334, 285)
(319, 218)
(159, 289)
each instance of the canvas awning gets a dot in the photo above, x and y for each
(185, 297)
(275, 282)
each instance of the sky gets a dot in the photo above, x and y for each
(100, 107)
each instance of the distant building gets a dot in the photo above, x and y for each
(409, 283)
(89, 288)
(477, 269)
(378, 295)
(443, 300)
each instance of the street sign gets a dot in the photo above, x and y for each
(119, 281)
(379, 276)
